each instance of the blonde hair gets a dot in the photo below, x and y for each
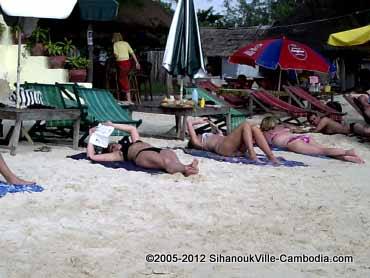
(117, 37)
(268, 123)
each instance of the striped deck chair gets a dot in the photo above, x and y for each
(298, 94)
(237, 117)
(265, 100)
(101, 106)
(51, 97)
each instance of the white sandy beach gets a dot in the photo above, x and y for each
(92, 221)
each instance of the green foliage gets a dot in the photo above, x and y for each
(207, 18)
(60, 48)
(68, 47)
(77, 62)
(246, 13)
(2, 29)
(39, 35)
(54, 48)
(283, 9)
(15, 29)
(166, 6)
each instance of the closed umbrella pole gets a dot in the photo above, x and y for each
(183, 54)
(18, 69)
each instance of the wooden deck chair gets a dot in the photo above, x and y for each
(228, 94)
(237, 117)
(51, 97)
(352, 101)
(266, 101)
(101, 106)
(298, 95)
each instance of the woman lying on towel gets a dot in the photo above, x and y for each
(282, 136)
(237, 143)
(141, 153)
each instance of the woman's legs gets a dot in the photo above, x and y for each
(242, 135)
(9, 176)
(298, 146)
(124, 69)
(261, 142)
(166, 160)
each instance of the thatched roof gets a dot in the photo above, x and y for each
(224, 41)
(145, 13)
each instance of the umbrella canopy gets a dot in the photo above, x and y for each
(282, 52)
(38, 8)
(183, 54)
(350, 37)
(98, 10)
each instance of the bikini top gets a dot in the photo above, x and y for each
(205, 137)
(273, 134)
(126, 143)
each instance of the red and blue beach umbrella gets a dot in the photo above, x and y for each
(281, 52)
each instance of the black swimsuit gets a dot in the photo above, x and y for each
(126, 144)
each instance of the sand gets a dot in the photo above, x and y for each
(93, 221)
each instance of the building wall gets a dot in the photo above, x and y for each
(33, 68)
(233, 70)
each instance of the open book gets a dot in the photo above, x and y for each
(101, 136)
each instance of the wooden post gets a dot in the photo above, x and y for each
(90, 46)
(17, 97)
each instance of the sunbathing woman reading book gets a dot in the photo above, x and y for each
(238, 142)
(141, 153)
(281, 135)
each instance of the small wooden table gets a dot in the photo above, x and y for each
(181, 114)
(19, 115)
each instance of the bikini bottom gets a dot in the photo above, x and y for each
(149, 149)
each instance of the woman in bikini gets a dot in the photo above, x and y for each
(282, 136)
(238, 142)
(143, 154)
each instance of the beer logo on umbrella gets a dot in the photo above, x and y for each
(253, 50)
(297, 52)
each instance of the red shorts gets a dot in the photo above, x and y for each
(124, 68)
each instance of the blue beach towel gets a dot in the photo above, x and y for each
(127, 165)
(234, 159)
(14, 188)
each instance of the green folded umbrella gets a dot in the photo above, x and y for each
(183, 55)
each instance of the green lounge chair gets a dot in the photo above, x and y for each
(237, 117)
(51, 97)
(101, 106)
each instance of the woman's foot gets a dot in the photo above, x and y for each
(192, 168)
(18, 181)
(252, 155)
(354, 159)
(274, 161)
(355, 156)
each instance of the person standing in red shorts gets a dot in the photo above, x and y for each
(122, 52)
